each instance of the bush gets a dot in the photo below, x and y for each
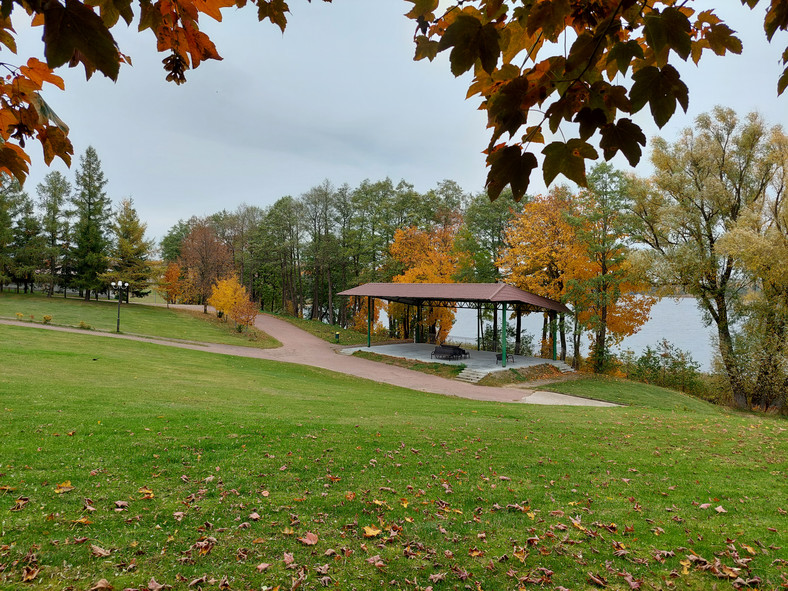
(19, 315)
(47, 318)
(665, 366)
(84, 325)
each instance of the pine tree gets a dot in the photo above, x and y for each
(53, 194)
(11, 196)
(28, 246)
(131, 251)
(91, 242)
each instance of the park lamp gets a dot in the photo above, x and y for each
(119, 286)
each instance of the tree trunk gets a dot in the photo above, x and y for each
(731, 368)
(87, 295)
(330, 300)
(562, 328)
(576, 342)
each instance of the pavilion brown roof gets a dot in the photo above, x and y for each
(420, 293)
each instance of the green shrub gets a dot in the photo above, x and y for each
(665, 366)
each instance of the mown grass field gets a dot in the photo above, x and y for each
(187, 467)
(135, 319)
(328, 332)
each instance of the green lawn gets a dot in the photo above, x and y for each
(327, 332)
(135, 319)
(186, 464)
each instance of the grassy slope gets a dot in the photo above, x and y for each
(312, 451)
(328, 332)
(134, 319)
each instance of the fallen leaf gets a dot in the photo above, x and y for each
(98, 551)
(719, 509)
(20, 503)
(371, 531)
(262, 567)
(101, 585)
(154, 586)
(254, 516)
(310, 539)
(29, 573)
(64, 487)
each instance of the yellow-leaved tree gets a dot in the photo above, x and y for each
(232, 301)
(426, 256)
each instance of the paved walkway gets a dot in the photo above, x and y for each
(302, 348)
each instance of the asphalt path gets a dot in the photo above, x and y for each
(302, 348)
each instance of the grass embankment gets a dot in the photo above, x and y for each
(135, 319)
(443, 370)
(327, 332)
(202, 465)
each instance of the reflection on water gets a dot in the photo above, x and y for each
(678, 321)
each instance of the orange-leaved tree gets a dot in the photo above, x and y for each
(360, 317)
(172, 285)
(244, 312)
(586, 66)
(426, 256)
(542, 254)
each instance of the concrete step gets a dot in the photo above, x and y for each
(563, 366)
(470, 376)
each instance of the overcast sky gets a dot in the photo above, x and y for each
(336, 97)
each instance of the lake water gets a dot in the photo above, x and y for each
(678, 321)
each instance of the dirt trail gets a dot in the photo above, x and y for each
(302, 348)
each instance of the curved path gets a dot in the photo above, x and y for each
(303, 348)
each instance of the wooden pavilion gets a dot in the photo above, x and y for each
(468, 295)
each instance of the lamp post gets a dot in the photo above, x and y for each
(119, 286)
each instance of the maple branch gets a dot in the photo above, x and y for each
(528, 56)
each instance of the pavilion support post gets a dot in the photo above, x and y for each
(495, 327)
(418, 322)
(478, 327)
(369, 321)
(517, 347)
(503, 336)
(553, 334)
